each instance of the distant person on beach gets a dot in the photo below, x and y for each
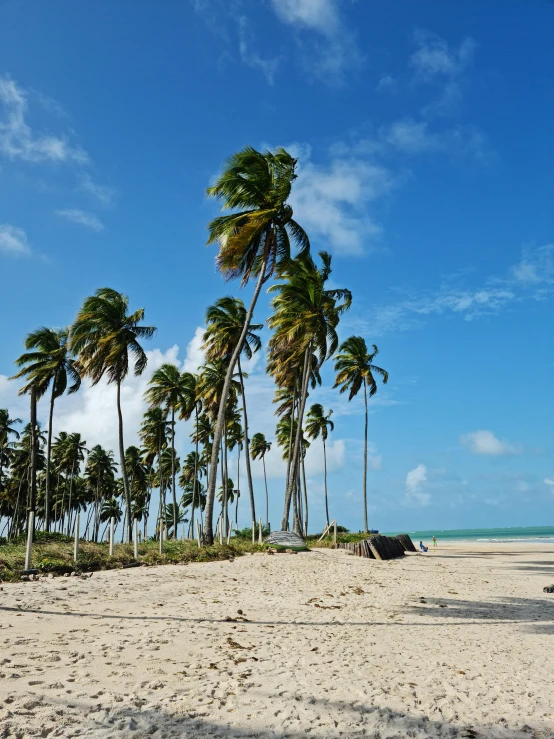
(434, 542)
(422, 547)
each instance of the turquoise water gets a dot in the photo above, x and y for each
(523, 534)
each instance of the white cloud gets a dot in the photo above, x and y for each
(535, 266)
(485, 442)
(17, 138)
(331, 201)
(435, 57)
(337, 51)
(550, 482)
(13, 241)
(414, 482)
(195, 356)
(411, 136)
(90, 220)
(317, 15)
(102, 193)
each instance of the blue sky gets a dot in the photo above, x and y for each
(423, 133)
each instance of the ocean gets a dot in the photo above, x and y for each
(521, 534)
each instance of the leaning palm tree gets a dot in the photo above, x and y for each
(168, 390)
(305, 319)
(224, 324)
(354, 368)
(258, 449)
(254, 240)
(48, 362)
(103, 336)
(319, 424)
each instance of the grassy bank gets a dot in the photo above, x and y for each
(54, 554)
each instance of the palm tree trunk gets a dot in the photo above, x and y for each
(122, 464)
(292, 408)
(237, 489)
(174, 496)
(70, 496)
(305, 498)
(325, 482)
(195, 473)
(365, 461)
(294, 461)
(247, 446)
(48, 455)
(33, 469)
(218, 431)
(266, 494)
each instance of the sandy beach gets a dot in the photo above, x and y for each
(455, 643)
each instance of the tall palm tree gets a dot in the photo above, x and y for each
(48, 362)
(259, 447)
(305, 319)
(319, 424)
(167, 390)
(6, 430)
(103, 336)
(191, 403)
(224, 324)
(254, 239)
(354, 367)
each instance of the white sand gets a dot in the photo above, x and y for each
(334, 646)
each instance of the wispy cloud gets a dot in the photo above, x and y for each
(102, 193)
(18, 141)
(250, 57)
(530, 279)
(387, 83)
(335, 51)
(13, 241)
(486, 443)
(434, 57)
(83, 218)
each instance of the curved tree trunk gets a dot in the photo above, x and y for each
(266, 494)
(305, 498)
(48, 456)
(195, 474)
(218, 431)
(174, 496)
(122, 465)
(247, 447)
(365, 460)
(295, 456)
(325, 482)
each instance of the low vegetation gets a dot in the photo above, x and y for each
(54, 554)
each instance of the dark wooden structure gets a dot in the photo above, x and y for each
(381, 547)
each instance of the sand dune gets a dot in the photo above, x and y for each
(457, 643)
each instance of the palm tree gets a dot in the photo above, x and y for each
(306, 315)
(258, 449)
(190, 403)
(254, 239)
(103, 335)
(46, 362)
(317, 423)
(100, 475)
(6, 430)
(153, 434)
(167, 390)
(354, 368)
(224, 324)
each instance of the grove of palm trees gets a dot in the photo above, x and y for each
(51, 478)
